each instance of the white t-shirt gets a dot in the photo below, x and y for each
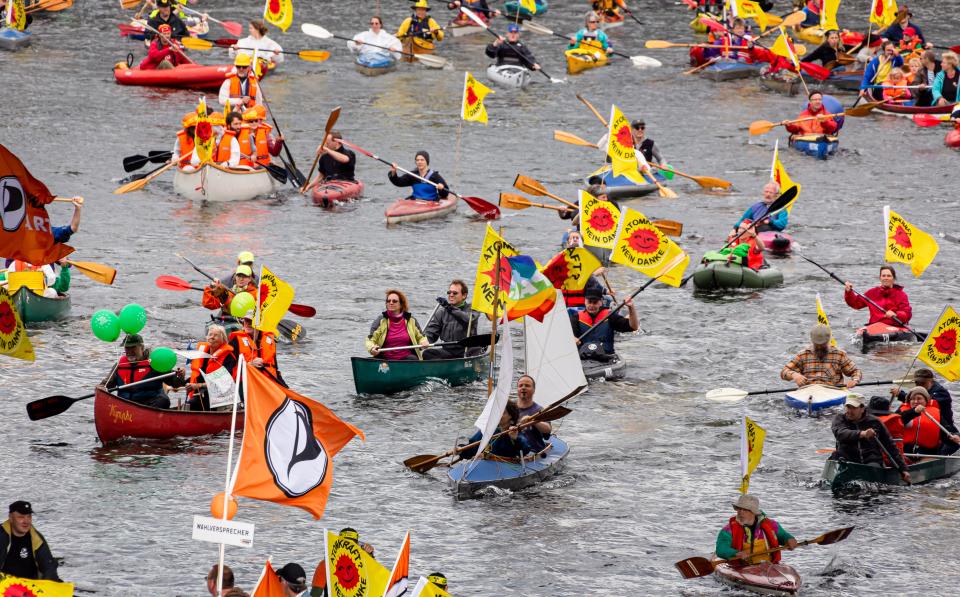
(265, 48)
(380, 39)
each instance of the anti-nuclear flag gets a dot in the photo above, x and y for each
(883, 12)
(620, 143)
(940, 349)
(425, 588)
(13, 336)
(269, 584)
(747, 9)
(571, 268)
(529, 5)
(274, 297)
(640, 245)
(751, 450)
(531, 293)
(779, 174)
(16, 15)
(472, 108)
(784, 47)
(351, 571)
(278, 13)
(14, 586)
(26, 233)
(493, 278)
(822, 320)
(399, 581)
(598, 221)
(907, 244)
(203, 137)
(828, 15)
(289, 442)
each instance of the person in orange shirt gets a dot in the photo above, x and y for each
(218, 296)
(229, 151)
(184, 145)
(263, 144)
(819, 126)
(894, 88)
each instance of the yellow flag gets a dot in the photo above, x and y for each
(883, 12)
(203, 137)
(640, 245)
(22, 587)
(598, 221)
(822, 320)
(620, 143)
(274, 297)
(13, 336)
(747, 9)
(828, 15)
(907, 244)
(351, 571)
(425, 588)
(278, 13)
(751, 450)
(529, 5)
(487, 291)
(783, 47)
(779, 174)
(472, 108)
(940, 349)
(16, 15)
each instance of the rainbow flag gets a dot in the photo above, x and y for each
(531, 293)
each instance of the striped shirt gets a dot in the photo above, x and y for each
(829, 370)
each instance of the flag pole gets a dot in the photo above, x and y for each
(241, 373)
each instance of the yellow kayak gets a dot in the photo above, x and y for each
(812, 35)
(416, 45)
(581, 59)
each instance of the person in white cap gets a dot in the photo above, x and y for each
(750, 531)
(862, 438)
(822, 363)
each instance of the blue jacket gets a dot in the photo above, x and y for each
(895, 33)
(778, 222)
(871, 71)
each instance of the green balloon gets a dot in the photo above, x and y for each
(105, 325)
(162, 359)
(242, 303)
(132, 318)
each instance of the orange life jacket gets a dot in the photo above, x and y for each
(208, 365)
(184, 145)
(132, 372)
(921, 430)
(223, 155)
(894, 425)
(22, 266)
(251, 90)
(260, 136)
(266, 350)
(769, 532)
(246, 147)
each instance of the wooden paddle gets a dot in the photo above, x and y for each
(640, 61)
(331, 122)
(178, 284)
(468, 342)
(481, 23)
(513, 201)
(860, 111)
(698, 566)
(534, 187)
(54, 405)
(759, 127)
(707, 182)
(659, 44)
(195, 43)
(231, 27)
(565, 137)
(97, 272)
(50, 5)
(295, 174)
(319, 32)
(701, 67)
(736, 395)
(483, 207)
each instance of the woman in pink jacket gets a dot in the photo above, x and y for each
(889, 296)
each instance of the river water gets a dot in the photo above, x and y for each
(653, 466)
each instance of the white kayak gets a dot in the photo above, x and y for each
(216, 183)
(816, 397)
(509, 75)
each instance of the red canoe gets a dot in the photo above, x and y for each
(332, 192)
(902, 110)
(415, 210)
(953, 139)
(116, 418)
(778, 243)
(185, 76)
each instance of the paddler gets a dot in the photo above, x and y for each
(895, 88)
(259, 43)
(863, 439)
(511, 50)
(164, 53)
(591, 36)
(134, 366)
(375, 36)
(24, 552)
(920, 434)
(822, 363)
(744, 247)
(185, 139)
(819, 126)
(575, 299)
(509, 445)
(480, 7)
(229, 152)
(878, 68)
(3, 15)
(889, 295)
(221, 355)
(218, 296)
(750, 531)
(243, 258)
(538, 433)
(56, 276)
(258, 348)
(395, 327)
(336, 162)
(879, 406)
(643, 144)
(62, 234)
(421, 190)
(946, 85)
(923, 378)
(453, 321)
(827, 52)
(598, 345)
(777, 222)
(902, 28)
(165, 16)
(735, 45)
(264, 144)
(610, 8)
(241, 88)
(419, 26)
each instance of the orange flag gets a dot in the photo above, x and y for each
(26, 232)
(289, 442)
(399, 578)
(269, 584)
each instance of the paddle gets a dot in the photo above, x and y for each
(483, 207)
(641, 61)
(468, 342)
(920, 337)
(195, 43)
(698, 566)
(659, 44)
(481, 23)
(331, 122)
(859, 111)
(565, 137)
(513, 201)
(707, 182)
(52, 6)
(97, 272)
(759, 127)
(736, 395)
(319, 32)
(275, 171)
(135, 162)
(630, 14)
(231, 27)
(178, 284)
(954, 49)
(702, 66)
(926, 120)
(54, 405)
(136, 185)
(534, 187)
(295, 174)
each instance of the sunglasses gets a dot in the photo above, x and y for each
(449, 292)
(389, 301)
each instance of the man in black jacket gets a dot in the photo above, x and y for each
(862, 438)
(453, 321)
(511, 50)
(166, 16)
(23, 550)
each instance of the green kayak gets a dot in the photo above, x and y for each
(375, 376)
(837, 474)
(715, 275)
(35, 308)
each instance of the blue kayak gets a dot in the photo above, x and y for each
(815, 397)
(622, 187)
(13, 39)
(375, 64)
(510, 9)
(467, 477)
(728, 70)
(817, 146)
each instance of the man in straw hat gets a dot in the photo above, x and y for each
(821, 363)
(750, 531)
(862, 438)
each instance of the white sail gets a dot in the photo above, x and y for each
(551, 355)
(490, 417)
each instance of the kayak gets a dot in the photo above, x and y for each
(787, 84)
(881, 333)
(608, 21)
(815, 397)
(463, 25)
(331, 192)
(116, 418)
(581, 59)
(135, 30)
(510, 9)
(213, 182)
(417, 210)
(728, 70)
(185, 76)
(778, 243)
(12, 39)
(622, 187)
(35, 307)
(716, 275)
(815, 146)
(953, 139)
(908, 111)
(416, 45)
(837, 474)
(765, 578)
(376, 376)
(845, 80)
(611, 370)
(509, 75)
(371, 64)
(467, 478)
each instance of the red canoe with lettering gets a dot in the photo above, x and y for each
(116, 418)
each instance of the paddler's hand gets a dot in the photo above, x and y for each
(629, 303)
(742, 555)
(498, 41)
(179, 373)
(393, 169)
(799, 379)
(792, 544)
(245, 99)
(890, 314)
(257, 362)
(905, 475)
(848, 286)
(868, 434)
(573, 41)
(192, 387)
(424, 342)
(77, 201)
(536, 66)
(850, 383)
(919, 409)
(375, 350)
(513, 433)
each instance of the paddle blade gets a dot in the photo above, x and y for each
(534, 27)
(431, 61)
(834, 536)
(234, 29)
(159, 157)
(473, 17)
(554, 413)
(422, 463)
(135, 185)
(861, 110)
(793, 19)
(98, 272)
(815, 70)
(726, 395)
(926, 120)
(195, 43)
(783, 200)
(315, 31)
(565, 137)
(135, 162)
(665, 192)
(487, 210)
(291, 330)
(302, 310)
(475, 341)
(759, 127)
(529, 185)
(709, 182)
(172, 283)
(712, 24)
(512, 201)
(669, 227)
(695, 567)
(48, 407)
(659, 44)
(313, 55)
(645, 62)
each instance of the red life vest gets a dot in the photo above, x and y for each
(223, 154)
(754, 254)
(769, 532)
(573, 298)
(132, 372)
(921, 431)
(894, 425)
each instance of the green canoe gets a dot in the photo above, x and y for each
(375, 376)
(837, 474)
(715, 275)
(35, 308)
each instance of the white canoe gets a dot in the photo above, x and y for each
(815, 397)
(216, 183)
(509, 75)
